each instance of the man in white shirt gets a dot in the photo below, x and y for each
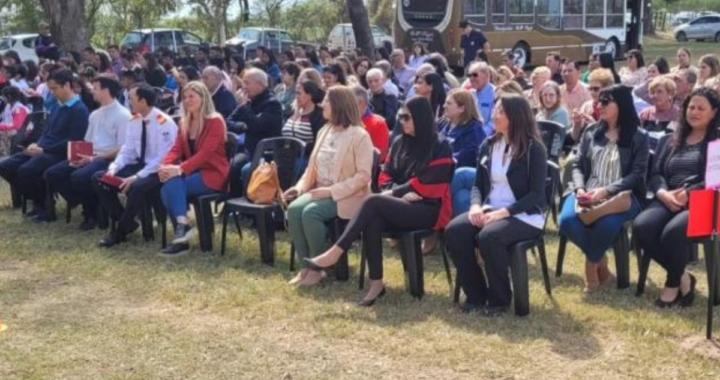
(106, 131)
(150, 136)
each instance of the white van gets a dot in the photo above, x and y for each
(343, 38)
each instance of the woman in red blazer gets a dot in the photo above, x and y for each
(197, 163)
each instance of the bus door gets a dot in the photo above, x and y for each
(634, 24)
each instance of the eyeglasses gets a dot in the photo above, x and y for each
(594, 88)
(404, 117)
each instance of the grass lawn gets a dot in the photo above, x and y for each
(78, 312)
(667, 47)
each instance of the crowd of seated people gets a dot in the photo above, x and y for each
(464, 158)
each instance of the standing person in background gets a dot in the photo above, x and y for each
(45, 45)
(472, 42)
(554, 63)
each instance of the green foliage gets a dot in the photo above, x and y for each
(324, 15)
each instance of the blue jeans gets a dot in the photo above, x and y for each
(461, 189)
(597, 238)
(176, 191)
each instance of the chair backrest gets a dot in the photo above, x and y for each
(231, 146)
(375, 185)
(284, 151)
(550, 132)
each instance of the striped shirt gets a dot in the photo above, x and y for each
(684, 163)
(605, 167)
(299, 128)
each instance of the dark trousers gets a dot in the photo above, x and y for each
(143, 190)
(26, 173)
(662, 234)
(75, 184)
(380, 214)
(494, 242)
(236, 180)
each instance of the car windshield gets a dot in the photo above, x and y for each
(249, 34)
(5, 43)
(132, 39)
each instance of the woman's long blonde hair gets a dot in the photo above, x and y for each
(207, 109)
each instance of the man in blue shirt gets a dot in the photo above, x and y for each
(471, 42)
(484, 91)
(24, 170)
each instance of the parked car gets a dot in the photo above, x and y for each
(150, 40)
(250, 39)
(342, 37)
(701, 28)
(23, 44)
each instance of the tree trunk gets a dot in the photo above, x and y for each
(361, 27)
(67, 23)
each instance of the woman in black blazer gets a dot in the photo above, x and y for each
(612, 158)
(661, 229)
(508, 204)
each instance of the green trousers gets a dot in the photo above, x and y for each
(306, 224)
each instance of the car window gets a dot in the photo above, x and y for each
(190, 39)
(132, 39)
(377, 32)
(284, 36)
(6, 43)
(337, 31)
(249, 34)
(271, 35)
(713, 20)
(29, 42)
(700, 21)
(163, 39)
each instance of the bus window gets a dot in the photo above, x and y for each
(594, 14)
(521, 11)
(475, 11)
(498, 13)
(572, 14)
(615, 15)
(549, 14)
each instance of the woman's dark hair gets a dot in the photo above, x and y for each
(191, 73)
(104, 62)
(522, 128)
(32, 70)
(607, 61)
(12, 54)
(239, 61)
(437, 98)
(151, 60)
(683, 130)
(362, 78)
(638, 57)
(416, 150)
(293, 69)
(12, 95)
(316, 92)
(289, 55)
(628, 120)
(336, 70)
(422, 48)
(312, 55)
(272, 60)
(662, 65)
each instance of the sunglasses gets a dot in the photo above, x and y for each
(404, 117)
(594, 88)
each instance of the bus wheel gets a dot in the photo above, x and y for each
(612, 46)
(521, 50)
(681, 37)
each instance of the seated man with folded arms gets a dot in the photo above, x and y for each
(106, 131)
(150, 136)
(68, 122)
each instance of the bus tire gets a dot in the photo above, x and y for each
(681, 37)
(616, 46)
(522, 53)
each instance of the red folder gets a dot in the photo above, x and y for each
(700, 219)
(77, 148)
(111, 180)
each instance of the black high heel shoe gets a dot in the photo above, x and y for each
(664, 304)
(311, 264)
(688, 299)
(368, 303)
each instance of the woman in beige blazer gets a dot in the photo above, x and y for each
(335, 183)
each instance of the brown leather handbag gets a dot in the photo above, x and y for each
(264, 186)
(618, 204)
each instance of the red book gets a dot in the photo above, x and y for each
(111, 180)
(700, 218)
(77, 148)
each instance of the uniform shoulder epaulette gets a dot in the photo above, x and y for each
(161, 118)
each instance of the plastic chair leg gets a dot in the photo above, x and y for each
(622, 260)
(644, 268)
(561, 255)
(412, 246)
(266, 235)
(519, 276)
(544, 266)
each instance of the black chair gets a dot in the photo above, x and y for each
(621, 248)
(518, 256)
(284, 151)
(551, 131)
